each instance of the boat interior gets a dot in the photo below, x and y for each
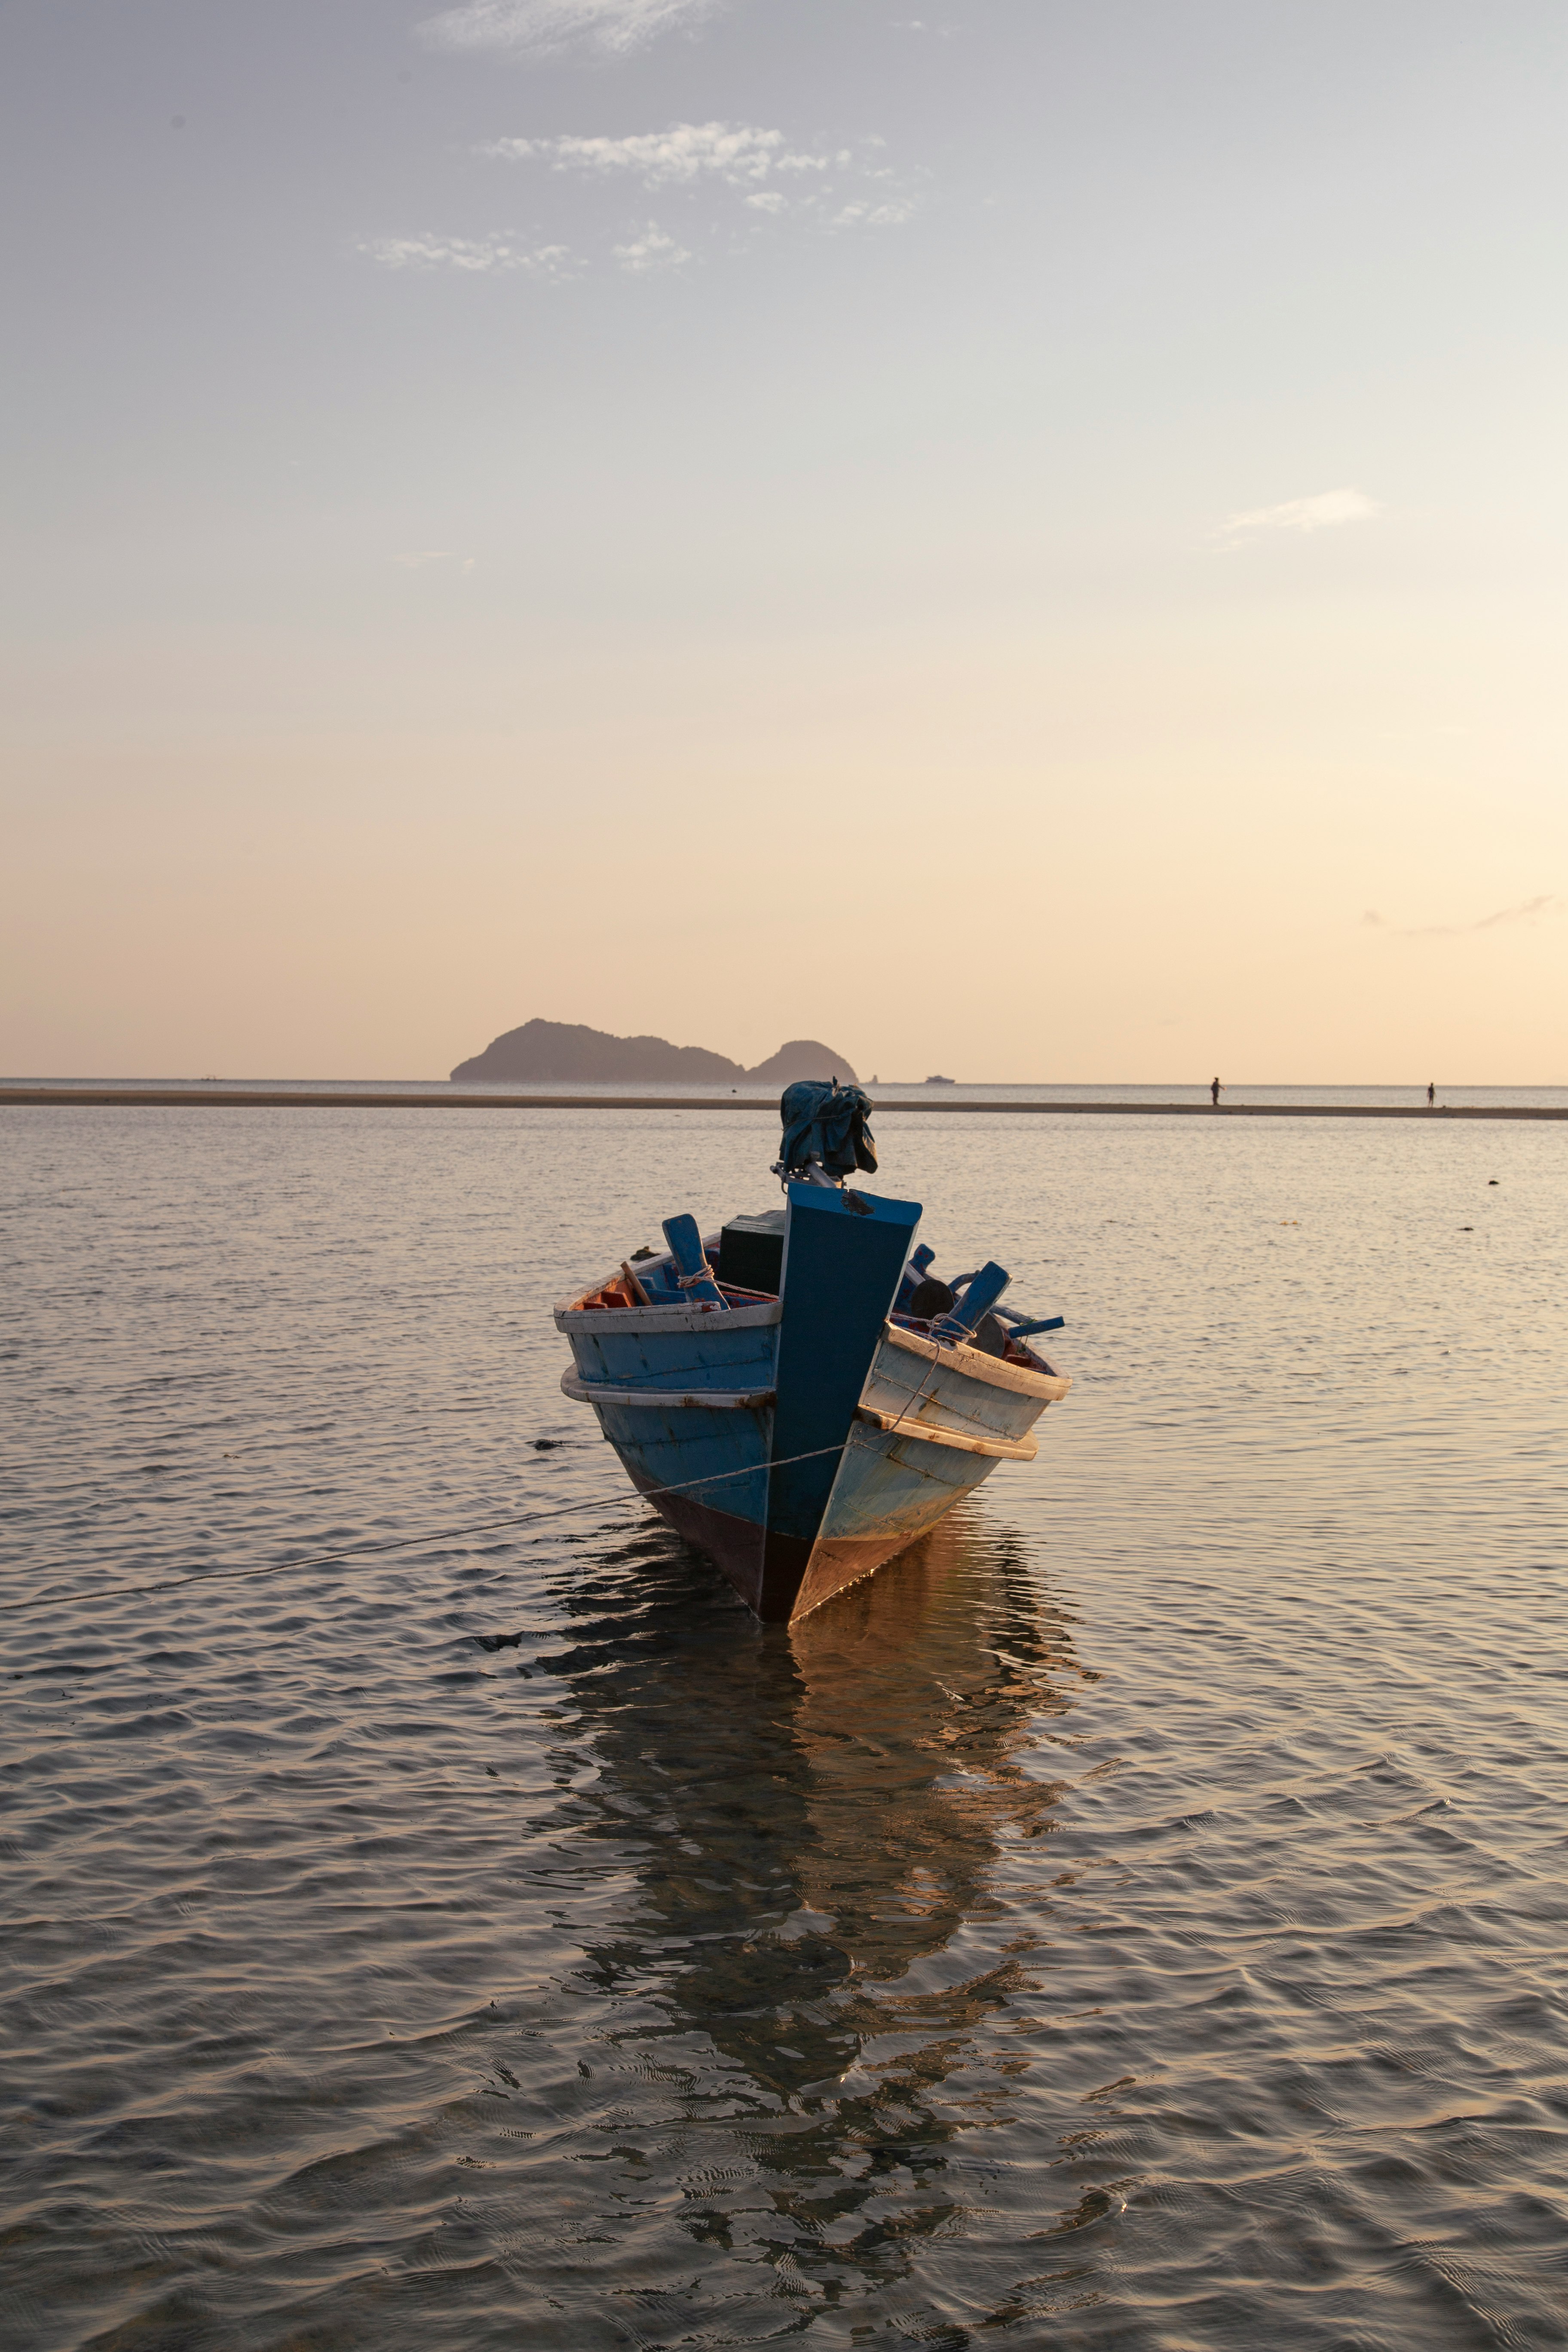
(755, 1246)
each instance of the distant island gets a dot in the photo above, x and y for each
(567, 1049)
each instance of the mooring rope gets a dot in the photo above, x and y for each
(402, 1543)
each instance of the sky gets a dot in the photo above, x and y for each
(1024, 539)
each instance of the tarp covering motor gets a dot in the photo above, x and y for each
(826, 1121)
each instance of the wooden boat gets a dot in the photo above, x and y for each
(806, 1425)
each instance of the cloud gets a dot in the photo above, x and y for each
(844, 188)
(500, 252)
(738, 153)
(892, 212)
(1320, 513)
(770, 176)
(1522, 913)
(538, 26)
(651, 250)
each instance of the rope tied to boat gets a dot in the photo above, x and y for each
(431, 1539)
(703, 1274)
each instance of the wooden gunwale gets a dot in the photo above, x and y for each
(571, 1316)
(976, 1365)
(931, 1432)
(583, 1391)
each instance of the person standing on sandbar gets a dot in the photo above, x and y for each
(1214, 1092)
(1431, 1092)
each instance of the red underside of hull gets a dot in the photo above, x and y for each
(781, 1576)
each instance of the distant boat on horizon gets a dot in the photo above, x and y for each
(815, 1400)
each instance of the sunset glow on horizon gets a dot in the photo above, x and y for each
(1028, 542)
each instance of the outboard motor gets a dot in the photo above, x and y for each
(825, 1136)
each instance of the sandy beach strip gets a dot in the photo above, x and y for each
(226, 1097)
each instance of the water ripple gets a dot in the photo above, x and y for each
(1135, 1920)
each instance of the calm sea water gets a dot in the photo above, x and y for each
(1135, 1920)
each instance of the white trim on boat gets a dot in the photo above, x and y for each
(571, 1317)
(976, 1365)
(1002, 1449)
(583, 1391)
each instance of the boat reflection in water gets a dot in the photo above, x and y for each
(820, 1809)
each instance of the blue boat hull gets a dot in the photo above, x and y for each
(802, 1442)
